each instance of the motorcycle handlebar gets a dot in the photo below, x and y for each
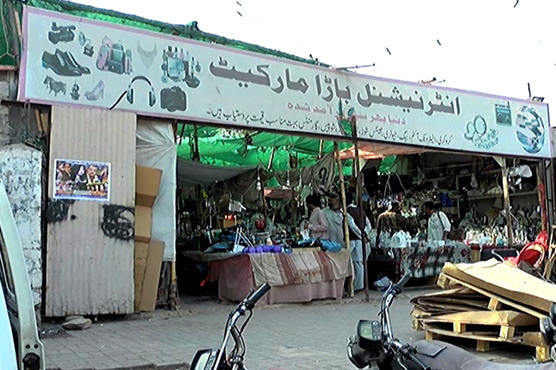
(253, 298)
(400, 284)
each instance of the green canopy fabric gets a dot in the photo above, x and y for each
(235, 147)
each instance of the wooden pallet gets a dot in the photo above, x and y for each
(486, 342)
(496, 302)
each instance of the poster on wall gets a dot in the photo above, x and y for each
(89, 63)
(81, 180)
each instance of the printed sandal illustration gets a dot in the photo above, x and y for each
(113, 57)
(177, 66)
(96, 93)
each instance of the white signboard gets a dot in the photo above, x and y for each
(70, 60)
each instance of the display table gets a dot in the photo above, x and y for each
(298, 277)
(420, 259)
(484, 252)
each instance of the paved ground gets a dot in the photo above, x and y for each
(306, 336)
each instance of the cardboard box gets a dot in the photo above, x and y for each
(149, 291)
(143, 224)
(140, 265)
(147, 182)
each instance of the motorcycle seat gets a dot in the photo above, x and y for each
(441, 355)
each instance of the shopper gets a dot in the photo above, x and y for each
(335, 219)
(317, 226)
(438, 225)
(390, 221)
(359, 225)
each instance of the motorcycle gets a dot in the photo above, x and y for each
(375, 347)
(215, 358)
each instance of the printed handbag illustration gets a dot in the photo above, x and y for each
(113, 57)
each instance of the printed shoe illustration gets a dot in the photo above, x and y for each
(71, 59)
(63, 64)
(58, 64)
(96, 93)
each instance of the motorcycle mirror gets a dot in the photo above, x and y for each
(552, 313)
(547, 329)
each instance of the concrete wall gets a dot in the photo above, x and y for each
(20, 169)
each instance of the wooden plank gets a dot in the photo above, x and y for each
(459, 327)
(494, 304)
(535, 339)
(507, 332)
(484, 342)
(443, 281)
(483, 346)
(416, 324)
(430, 335)
(474, 335)
(495, 318)
(505, 280)
(542, 354)
(505, 301)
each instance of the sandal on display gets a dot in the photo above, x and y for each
(96, 93)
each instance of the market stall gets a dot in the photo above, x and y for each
(301, 276)
(280, 120)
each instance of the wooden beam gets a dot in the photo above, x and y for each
(344, 210)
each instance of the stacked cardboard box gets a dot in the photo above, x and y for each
(490, 302)
(148, 252)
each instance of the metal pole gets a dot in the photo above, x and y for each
(196, 158)
(360, 205)
(542, 193)
(507, 205)
(321, 148)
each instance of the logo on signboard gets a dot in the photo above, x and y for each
(503, 114)
(478, 133)
(530, 129)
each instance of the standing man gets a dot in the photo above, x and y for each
(317, 226)
(438, 225)
(390, 221)
(357, 239)
(93, 181)
(335, 219)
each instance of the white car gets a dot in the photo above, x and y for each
(20, 347)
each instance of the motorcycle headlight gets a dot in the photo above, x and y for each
(359, 357)
(204, 359)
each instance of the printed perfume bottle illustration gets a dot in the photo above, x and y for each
(178, 66)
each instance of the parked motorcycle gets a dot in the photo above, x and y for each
(375, 347)
(215, 358)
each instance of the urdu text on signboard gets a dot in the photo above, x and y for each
(71, 60)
